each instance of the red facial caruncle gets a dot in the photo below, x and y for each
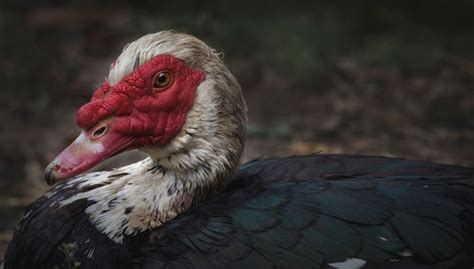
(148, 107)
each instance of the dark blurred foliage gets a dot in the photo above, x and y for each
(365, 77)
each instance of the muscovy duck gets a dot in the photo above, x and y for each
(189, 205)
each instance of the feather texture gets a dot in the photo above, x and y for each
(288, 212)
(379, 210)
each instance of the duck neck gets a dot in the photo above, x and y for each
(200, 160)
(146, 194)
(206, 153)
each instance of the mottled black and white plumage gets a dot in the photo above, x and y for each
(288, 212)
(184, 207)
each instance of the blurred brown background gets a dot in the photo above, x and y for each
(365, 77)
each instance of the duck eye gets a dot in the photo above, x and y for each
(162, 80)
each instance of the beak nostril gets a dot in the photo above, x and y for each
(99, 132)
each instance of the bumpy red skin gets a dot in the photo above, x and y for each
(135, 114)
(153, 116)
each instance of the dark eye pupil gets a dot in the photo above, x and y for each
(162, 78)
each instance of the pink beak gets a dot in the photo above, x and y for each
(84, 153)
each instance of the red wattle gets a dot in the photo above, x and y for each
(137, 109)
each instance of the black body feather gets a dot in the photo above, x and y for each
(293, 212)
